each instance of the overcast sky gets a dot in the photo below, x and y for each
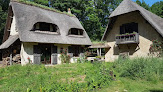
(150, 2)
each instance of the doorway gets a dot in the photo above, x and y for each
(46, 54)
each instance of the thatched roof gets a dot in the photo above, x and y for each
(9, 41)
(128, 6)
(99, 45)
(27, 15)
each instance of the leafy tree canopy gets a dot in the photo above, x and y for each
(157, 8)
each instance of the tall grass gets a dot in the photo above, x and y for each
(60, 78)
(150, 69)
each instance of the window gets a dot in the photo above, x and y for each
(75, 31)
(42, 26)
(129, 28)
(76, 50)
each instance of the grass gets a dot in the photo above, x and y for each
(19, 78)
(43, 7)
(84, 77)
(130, 85)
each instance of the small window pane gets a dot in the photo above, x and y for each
(129, 28)
(44, 27)
(74, 31)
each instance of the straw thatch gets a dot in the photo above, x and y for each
(128, 6)
(27, 15)
(9, 41)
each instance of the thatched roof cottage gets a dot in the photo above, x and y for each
(41, 33)
(130, 31)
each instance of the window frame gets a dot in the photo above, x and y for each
(129, 28)
(79, 33)
(52, 28)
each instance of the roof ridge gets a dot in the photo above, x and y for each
(122, 8)
(41, 6)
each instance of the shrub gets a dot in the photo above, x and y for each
(98, 76)
(156, 48)
(65, 58)
(145, 68)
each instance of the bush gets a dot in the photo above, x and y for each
(65, 58)
(145, 68)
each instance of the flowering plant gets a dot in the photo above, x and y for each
(156, 48)
(65, 58)
(29, 60)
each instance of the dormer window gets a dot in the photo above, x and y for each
(42, 27)
(75, 31)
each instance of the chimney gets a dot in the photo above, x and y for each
(69, 10)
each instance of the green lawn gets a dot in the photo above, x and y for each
(123, 84)
(71, 77)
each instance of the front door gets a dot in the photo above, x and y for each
(46, 53)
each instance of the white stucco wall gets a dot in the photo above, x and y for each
(26, 51)
(59, 46)
(13, 30)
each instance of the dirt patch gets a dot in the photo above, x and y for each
(1, 78)
(81, 79)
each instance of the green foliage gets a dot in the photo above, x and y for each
(98, 76)
(84, 77)
(157, 8)
(144, 68)
(67, 77)
(65, 58)
(156, 48)
(3, 16)
(143, 4)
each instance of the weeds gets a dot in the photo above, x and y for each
(60, 78)
(150, 69)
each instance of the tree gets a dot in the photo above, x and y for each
(97, 14)
(3, 15)
(143, 4)
(157, 8)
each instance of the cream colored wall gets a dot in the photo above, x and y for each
(26, 51)
(59, 46)
(13, 30)
(64, 46)
(146, 34)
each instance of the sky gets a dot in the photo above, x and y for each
(150, 2)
